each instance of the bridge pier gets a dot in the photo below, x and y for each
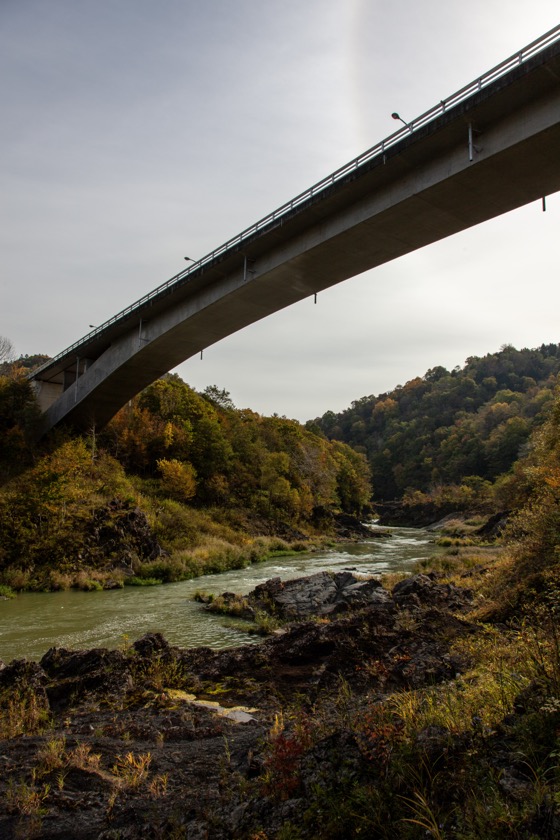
(46, 393)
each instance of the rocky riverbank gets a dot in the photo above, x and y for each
(256, 742)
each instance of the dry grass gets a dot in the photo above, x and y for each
(22, 713)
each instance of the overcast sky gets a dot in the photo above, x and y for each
(136, 132)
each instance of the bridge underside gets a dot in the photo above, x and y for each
(430, 185)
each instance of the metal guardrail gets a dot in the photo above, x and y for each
(277, 215)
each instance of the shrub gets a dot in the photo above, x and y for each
(164, 570)
(16, 579)
(147, 581)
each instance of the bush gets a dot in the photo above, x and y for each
(146, 581)
(164, 570)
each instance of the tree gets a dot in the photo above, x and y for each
(6, 349)
(219, 397)
(19, 419)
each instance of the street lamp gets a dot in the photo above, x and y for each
(398, 117)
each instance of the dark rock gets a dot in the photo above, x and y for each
(86, 779)
(62, 663)
(344, 525)
(152, 644)
(422, 590)
(495, 525)
(433, 740)
(28, 681)
(320, 594)
(201, 763)
(350, 527)
(23, 674)
(121, 533)
(74, 673)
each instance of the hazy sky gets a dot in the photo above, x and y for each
(136, 132)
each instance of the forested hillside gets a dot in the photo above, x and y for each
(461, 427)
(177, 483)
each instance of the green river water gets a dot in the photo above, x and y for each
(34, 622)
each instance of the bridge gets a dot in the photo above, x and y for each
(489, 148)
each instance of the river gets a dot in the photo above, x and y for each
(34, 622)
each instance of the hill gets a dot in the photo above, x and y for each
(461, 427)
(179, 483)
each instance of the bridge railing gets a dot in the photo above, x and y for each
(273, 218)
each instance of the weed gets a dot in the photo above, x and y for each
(22, 798)
(229, 604)
(82, 756)
(377, 732)
(87, 584)
(52, 755)
(424, 815)
(540, 637)
(59, 581)
(159, 672)
(132, 770)
(16, 579)
(406, 620)
(286, 748)
(203, 597)
(22, 712)
(390, 579)
(265, 624)
(158, 785)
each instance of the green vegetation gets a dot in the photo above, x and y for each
(177, 485)
(449, 434)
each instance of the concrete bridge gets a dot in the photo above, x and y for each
(489, 148)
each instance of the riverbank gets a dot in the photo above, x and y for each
(122, 548)
(34, 622)
(399, 717)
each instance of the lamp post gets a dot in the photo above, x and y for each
(398, 117)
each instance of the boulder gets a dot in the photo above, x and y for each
(76, 673)
(23, 674)
(152, 644)
(423, 591)
(120, 532)
(320, 594)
